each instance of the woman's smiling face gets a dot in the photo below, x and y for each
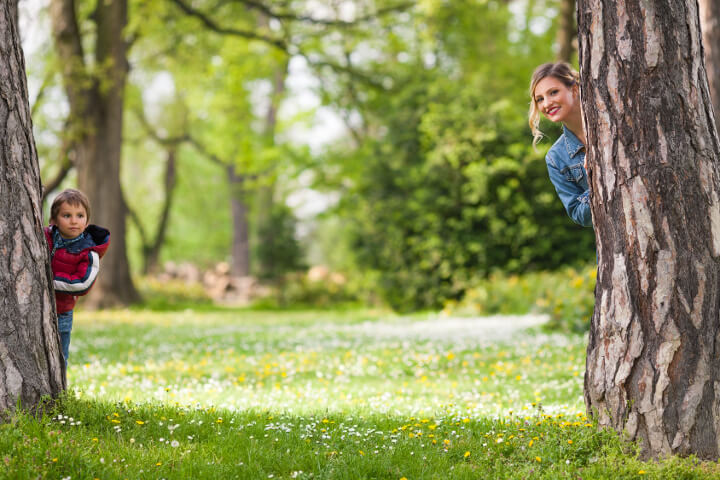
(556, 100)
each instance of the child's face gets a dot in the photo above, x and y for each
(71, 220)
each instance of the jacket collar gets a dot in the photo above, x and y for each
(572, 144)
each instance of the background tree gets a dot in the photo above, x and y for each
(443, 186)
(95, 92)
(30, 358)
(652, 363)
(709, 17)
(566, 31)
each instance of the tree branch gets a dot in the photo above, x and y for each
(319, 21)
(212, 25)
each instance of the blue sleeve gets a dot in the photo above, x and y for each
(575, 199)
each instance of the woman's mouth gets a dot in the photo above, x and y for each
(553, 110)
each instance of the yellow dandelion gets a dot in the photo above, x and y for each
(531, 443)
(361, 453)
(467, 454)
(158, 464)
(538, 459)
(570, 442)
(641, 472)
(139, 422)
(54, 459)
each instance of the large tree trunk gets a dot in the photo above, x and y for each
(653, 368)
(96, 105)
(30, 358)
(566, 32)
(709, 17)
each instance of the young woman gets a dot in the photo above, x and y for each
(555, 93)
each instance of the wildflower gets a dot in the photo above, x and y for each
(174, 444)
(538, 459)
(641, 472)
(467, 454)
(139, 422)
(570, 442)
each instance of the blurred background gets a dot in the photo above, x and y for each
(311, 153)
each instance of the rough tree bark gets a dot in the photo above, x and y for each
(96, 106)
(653, 369)
(566, 32)
(709, 17)
(30, 358)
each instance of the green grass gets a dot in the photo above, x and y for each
(323, 395)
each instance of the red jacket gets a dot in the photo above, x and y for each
(76, 266)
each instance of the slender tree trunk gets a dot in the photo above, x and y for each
(653, 368)
(96, 104)
(152, 250)
(30, 358)
(566, 32)
(709, 18)
(240, 262)
(266, 192)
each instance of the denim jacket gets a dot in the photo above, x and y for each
(565, 166)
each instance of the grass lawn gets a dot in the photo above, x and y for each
(339, 394)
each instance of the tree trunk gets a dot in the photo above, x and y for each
(240, 261)
(653, 369)
(566, 32)
(266, 192)
(96, 105)
(30, 358)
(709, 15)
(152, 250)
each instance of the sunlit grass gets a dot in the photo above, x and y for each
(307, 362)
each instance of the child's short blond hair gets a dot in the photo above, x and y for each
(72, 197)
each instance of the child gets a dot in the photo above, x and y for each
(555, 93)
(75, 252)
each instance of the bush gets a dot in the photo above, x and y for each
(566, 295)
(304, 290)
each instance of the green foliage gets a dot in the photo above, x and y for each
(567, 296)
(456, 193)
(298, 290)
(570, 300)
(280, 251)
(444, 187)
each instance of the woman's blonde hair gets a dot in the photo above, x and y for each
(560, 70)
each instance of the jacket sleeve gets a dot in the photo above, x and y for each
(575, 199)
(84, 278)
